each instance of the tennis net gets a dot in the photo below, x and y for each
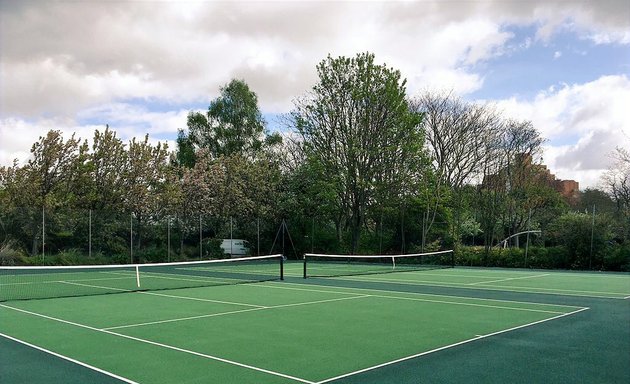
(321, 265)
(23, 283)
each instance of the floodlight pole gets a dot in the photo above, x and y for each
(529, 218)
(90, 234)
(43, 232)
(131, 238)
(590, 258)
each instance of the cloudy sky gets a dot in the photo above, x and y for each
(141, 66)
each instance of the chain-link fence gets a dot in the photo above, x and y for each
(92, 236)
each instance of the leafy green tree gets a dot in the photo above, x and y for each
(233, 125)
(106, 161)
(184, 157)
(46, 182)
(573, 230)
(356, 122)
(595, 197)
(146, 178)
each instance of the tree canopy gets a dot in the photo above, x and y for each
(363, 167)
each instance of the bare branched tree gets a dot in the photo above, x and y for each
(459, 137)
(616, 180)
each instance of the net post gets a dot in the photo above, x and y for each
(305, 266)
(453, 258)
(137, 276)
(282, 267)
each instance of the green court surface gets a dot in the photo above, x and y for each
(588, 284)
(450, 325)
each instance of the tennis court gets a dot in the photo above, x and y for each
(394, 327)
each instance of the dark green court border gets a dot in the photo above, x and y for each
(23, 364)
(589, 347)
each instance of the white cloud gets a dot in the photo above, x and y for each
(56, 60)
(557, 54)
(18, 135)
(583, 123)
(67, 62)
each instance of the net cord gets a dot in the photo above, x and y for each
(322, 255)
(360, 257)
(114, 266)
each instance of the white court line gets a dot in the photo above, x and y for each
(283, 286)
(509, 278)
(470, 304)
(164, 295)
(181, 319)
(446, 347)
(553, 291)
(233, 312)
(61, 281)
(96, 286)
(200, 299)
(166, 346)
(157, 275)
(69, 359)
(461, 272)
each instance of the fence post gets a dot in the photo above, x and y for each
(590, 258)
(131, 238)
(90, 234)
(43, 232)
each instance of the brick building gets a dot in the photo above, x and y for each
(569, 189)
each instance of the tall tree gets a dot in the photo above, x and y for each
(47, 181)
(146, 177)
(357, 123)
(616, 181)
(457, 135)
(107, 159)
(233, 125)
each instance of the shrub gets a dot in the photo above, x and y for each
(10, 254)
(618, 259)
(537, 257)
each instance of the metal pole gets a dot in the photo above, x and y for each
(590, 258)
(380, 235)
(258, 237)
(90, 235)
(43, 233)
(168, 238)
(131, 239)
(200, 240)
(231, 238)
(529, 218)
(313, 235)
